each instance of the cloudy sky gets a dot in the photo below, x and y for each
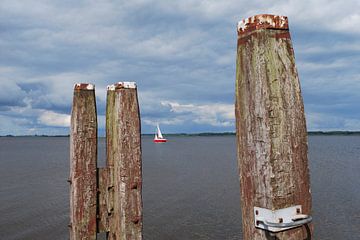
(181, 54)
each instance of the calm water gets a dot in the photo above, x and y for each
(190, 191)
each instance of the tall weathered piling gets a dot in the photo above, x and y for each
(83, 167)
(124, 162)
(270, 127)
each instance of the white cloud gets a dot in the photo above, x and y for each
(54, 119)
(334, 47)
(17, 125)
(172, 44)
(318, 121)
(316, 66)
(343, 85)
(10, 93)
(216, 114)
(227, 59)
(335, 16)
(339, 16)
(163, 121)
(352, 124)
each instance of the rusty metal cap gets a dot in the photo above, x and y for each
(262, 21)
(122, 85)
(84, 86)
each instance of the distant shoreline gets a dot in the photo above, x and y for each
(310, 133)
(334, 133)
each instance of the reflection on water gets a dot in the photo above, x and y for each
(190, 191)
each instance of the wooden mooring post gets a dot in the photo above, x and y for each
(83, 165)
(123, 142)
(271, 131)
(106, 199)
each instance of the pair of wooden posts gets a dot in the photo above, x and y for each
(271, 143)
(106, 199)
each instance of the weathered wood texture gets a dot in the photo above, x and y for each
(103, 197)
(124, 162)
(270, 125)
(83, 154)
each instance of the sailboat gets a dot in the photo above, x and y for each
(158, 136)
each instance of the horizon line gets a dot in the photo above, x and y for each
(334, 132)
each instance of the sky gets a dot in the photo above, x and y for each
(181, 54)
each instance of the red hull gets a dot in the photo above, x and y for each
(160, 140)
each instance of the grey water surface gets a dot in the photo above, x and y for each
(190, 187)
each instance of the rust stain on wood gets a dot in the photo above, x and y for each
(262, 21)
(270, 125)
(278, 34)
(83, 154)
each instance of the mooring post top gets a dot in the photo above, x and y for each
(121, 85)
(262, 21)
(84, 86)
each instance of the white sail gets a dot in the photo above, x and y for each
(159, 135)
